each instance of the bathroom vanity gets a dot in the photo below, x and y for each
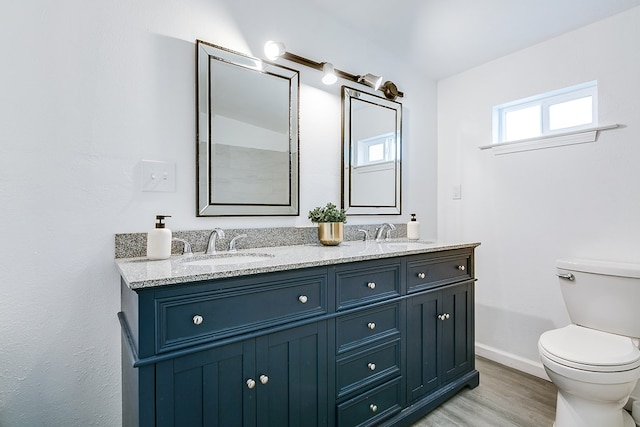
(361, 334)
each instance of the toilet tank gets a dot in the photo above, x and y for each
(602, 295)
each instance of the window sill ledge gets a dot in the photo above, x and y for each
(550, 141)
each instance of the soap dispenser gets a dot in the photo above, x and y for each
(159, 240)
(413, 228)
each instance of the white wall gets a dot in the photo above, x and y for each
(530, 208)
(90, 89)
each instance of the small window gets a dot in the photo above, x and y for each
(378, 149)
(550, 113)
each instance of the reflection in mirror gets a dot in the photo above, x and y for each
(247, 135)
(371, 157)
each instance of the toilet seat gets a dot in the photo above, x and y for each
(589, 350)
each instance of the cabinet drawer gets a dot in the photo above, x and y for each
(184, 320)
(372, 406)
(367, 283)
(428, 272)
(366, 326)
(365, 367)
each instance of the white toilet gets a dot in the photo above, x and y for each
(595, 362)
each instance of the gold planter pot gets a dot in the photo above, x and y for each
(330, 233)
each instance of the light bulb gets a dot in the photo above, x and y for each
(329, 75)
(273, 50)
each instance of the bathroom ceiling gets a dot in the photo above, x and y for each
(445, 37)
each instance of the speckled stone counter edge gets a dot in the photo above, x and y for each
(133, 245)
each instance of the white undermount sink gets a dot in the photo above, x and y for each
(225, 259)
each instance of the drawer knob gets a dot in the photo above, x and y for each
(461, 267)
(374, 408)
(303, 299)
(422, 275)
(197, 319)
(264, 379)
(371, 325)
(251, 383)
(371, 285)
(372, 366)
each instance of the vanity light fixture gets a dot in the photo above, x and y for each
(329, 74)
(371, 80)
(274, 50)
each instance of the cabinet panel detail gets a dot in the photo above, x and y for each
(182, 320)
(367, 326)
(367, 283)
(428, 272)
(365, 367)
(422, 345)
(205, 388)
(440, 338)
(372, 406)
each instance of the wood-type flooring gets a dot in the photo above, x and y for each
(505, 398)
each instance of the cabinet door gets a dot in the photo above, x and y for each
(207, 388)
(292, 377)
(457, 330)
(422, 344)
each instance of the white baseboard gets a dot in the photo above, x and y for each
(511, 360)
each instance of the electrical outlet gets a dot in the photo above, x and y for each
(158, 176)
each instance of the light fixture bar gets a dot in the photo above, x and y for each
(389, 89)
(318, 65)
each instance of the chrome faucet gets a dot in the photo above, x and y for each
(232, 243)
(187, 246)
(211, 246)
(380, 229)
(365, 234)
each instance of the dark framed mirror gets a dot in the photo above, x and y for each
(247, 135)
(371, 154)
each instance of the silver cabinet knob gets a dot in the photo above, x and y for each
(461, 267)
(303, 299)
(374, 408)
(371, 325)
(422, 275)
(372, 366)
(443, 316)
(371, 285)
(251, 383)
(197, 319)
(264, 379)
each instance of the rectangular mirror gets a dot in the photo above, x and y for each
(247, 135)
(371, 154)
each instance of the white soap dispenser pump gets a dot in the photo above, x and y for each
(413, 228)
(159, 240)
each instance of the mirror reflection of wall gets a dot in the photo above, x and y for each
(371, 159)
(250, 122)
(247, 135)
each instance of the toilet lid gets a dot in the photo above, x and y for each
(589, 349)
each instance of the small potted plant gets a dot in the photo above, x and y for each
(330, 222)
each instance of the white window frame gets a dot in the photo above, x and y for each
(546, 100)
(388, 142)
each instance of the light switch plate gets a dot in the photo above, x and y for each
(457, 192)
(158, 176)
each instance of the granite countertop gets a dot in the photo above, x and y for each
(140, 273)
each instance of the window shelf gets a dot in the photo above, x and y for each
(580, 136)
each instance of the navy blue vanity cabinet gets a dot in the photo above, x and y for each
(279, 379)
(440, 334)
(245, 351)
(376, 342)
(368, 345)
